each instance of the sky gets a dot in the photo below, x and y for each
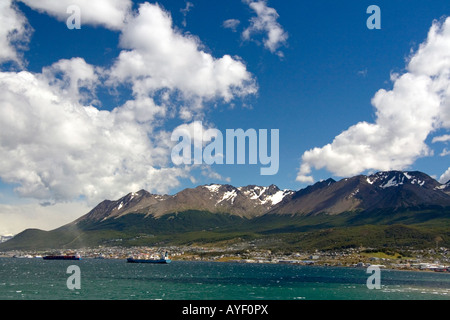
(92, 91)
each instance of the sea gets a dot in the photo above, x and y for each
(107, 279)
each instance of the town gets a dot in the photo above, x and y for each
(437, 259)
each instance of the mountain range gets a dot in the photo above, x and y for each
(250, 202)
(413, 203)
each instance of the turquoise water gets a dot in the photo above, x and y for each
(30, 279)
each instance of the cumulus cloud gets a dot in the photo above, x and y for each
(14, 33)
(266, 22)
(418, 104)
(194, 130)
(110, 14)
(58, 149)
(157, 57)
(191, 139)
(75, 79)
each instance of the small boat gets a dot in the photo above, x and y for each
(162, 260)
(62, 257)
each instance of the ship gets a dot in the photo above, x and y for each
(62, 257)
(164, 259)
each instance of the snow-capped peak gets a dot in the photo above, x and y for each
(389, 179)
(213, 187)
(253, 192)
(257, 194)
(134, 194)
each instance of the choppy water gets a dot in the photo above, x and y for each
(31, 279)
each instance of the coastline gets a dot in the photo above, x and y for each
(307, 263)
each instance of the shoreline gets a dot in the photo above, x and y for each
(402, 259)
(382, 267)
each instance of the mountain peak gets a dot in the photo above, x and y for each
(387, 179)
(381, 190)
(248, 201)
(384, 189)
(328, 182)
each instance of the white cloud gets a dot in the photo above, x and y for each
(185, 11)
(157, 57)
(266, 22)
(107, 13)
(304, 174)
(445, 176)
(200, 136)
(231, 24)
(59, 150)
(14, 32)
(70, 76)
(418, 104)
(58, 147)
(209, 173)
(443, 138)
(194, 130)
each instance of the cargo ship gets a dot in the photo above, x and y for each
(162, 260)
(62, 257)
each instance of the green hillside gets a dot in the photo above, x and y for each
(417, 228)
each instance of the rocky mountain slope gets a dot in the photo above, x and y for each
(249, 202)
(383, 190)
(222, 212)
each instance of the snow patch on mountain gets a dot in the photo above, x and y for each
(229, 196)
(253, 193)
(213, 187)
(391, 183)
(134, 194)
(277, 197)
(394, 179)
(418, 181)
(354, 193)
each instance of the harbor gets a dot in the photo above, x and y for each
(437, 260)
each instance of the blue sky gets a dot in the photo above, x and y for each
(316, 84)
